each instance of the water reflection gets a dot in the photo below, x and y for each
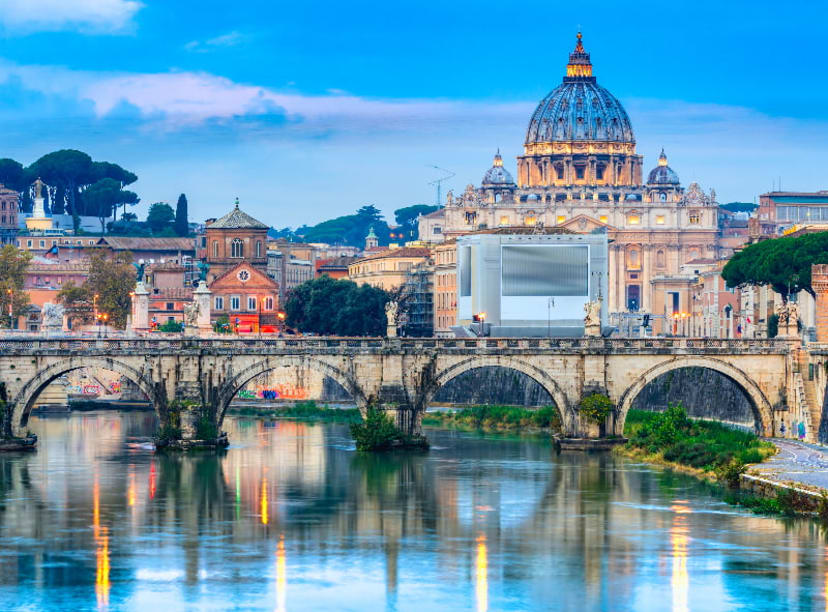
(477, 523)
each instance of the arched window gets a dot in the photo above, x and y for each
(237, 248)
(660, 259)
(268, 303)
(258, 248)
(215, 248)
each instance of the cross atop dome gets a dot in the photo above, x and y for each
(579, 64)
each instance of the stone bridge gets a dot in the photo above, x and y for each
(402, 375)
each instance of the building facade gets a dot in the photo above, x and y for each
(780, 210)
(236, 237)
(387, 269)
(580, 171)
(445, 288)
(249, 299)
(9, 210)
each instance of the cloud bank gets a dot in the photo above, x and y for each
(87, 16)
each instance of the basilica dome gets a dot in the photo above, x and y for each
(662, 174)
(579, 109)
(497, 174)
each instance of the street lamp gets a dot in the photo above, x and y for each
(11, 314)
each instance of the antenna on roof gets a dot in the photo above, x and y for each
(439, 181)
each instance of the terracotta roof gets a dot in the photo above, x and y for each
(237, 219)
(171, 293)
(340, 262)
(167, 265)
(397, 253)
(148, 244)
(59, 266)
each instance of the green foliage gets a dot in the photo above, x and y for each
(222, 325)
(171, 327)
(206, 428)
(349, 229)
(377, 432)
(103, 198)
(12, 175)
(13, 265)
(111, 278)
(182, 227)
(781, 263)
(705, 445)
(337, 307)
(773, 325)
(168, 433)
(730, 472)
(308, 411)
(498, 418)
(596, 407)
(160, 217)
(406, 219)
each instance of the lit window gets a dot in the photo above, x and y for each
(659, 219)
(633, 220)
(219, 303)
(504, 220)
(561, 219)
(695, 218)
(251, 302)
(235, 302)
(602, 218)
(530, 221)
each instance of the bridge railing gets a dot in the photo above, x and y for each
(175, 342)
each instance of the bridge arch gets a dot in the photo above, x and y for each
(762, 409)
(496, 361)
(25, 398)
(233, 385)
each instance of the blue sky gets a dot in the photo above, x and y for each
(309, 110)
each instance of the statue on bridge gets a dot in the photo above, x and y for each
(788, 323)
(391, 309)
(592, 318)
(191, 312)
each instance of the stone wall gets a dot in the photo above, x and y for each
(496, 386)
(703, 392)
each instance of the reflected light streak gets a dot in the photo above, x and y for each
(482, 574)
(263, 502)
(152, 480)
(102, 570)
(281, 576)
(238, 492)
(679, 539)
(131, 490)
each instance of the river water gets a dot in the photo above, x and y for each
(292, 518)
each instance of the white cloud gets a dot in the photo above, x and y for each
(231, 39)
(88, 16)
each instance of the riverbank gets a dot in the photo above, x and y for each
(497, 419)
(735, 460)
(305, 411)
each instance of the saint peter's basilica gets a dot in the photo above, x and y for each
(580, 171)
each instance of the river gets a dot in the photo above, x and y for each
(292, 518)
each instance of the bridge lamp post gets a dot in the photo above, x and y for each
(105, 318)
(11, 302)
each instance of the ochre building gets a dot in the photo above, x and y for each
(580, 170)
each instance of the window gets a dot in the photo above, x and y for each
(170, 319)
(659, 219)
(633, 219)
(633, 259)
(219, 302)
(268, 303)
(504, 220)
(602, 218)
(660, 259)
(235, 302)
(579, 171)
(215, 248)
(251, 302)
(437, 229)
(237, 248)
(29, 243)
(561, 219)
(599, 172)
(695, 218)
(258, 248)
(170, 306)
(529, 221)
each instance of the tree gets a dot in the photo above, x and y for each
(337, 307)
(111, 278)
(349, 229)
(68, 168)
(736, 207)
(12, 174)
(182, 227)
(407, 217)
(77, 302)
(783, 263)
(103, 170)
(105, 196)
(13, 266)
(160, 216)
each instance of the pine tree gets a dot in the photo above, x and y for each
(181, 225)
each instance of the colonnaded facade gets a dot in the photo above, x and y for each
(580, 171)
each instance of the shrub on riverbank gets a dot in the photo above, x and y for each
(497, 418)
(308, 410)
(703, 445)
(378, 432)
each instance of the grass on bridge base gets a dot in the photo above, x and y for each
(497, 418)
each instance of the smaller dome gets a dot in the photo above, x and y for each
(497, 174)
(662, 174)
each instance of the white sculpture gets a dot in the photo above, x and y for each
(391, 313)
(191, 312)
(593, 313)
(52, 315)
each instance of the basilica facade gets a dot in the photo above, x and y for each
(580, 171)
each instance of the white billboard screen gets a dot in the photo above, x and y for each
(545, 271)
